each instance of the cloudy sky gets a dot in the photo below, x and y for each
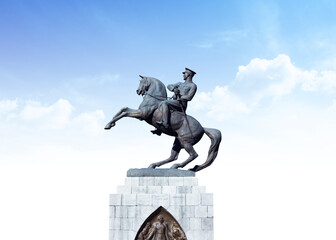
(266, 77)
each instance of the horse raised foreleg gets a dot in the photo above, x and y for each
(192, 155)
(173, 155)
(124, 112)
(111, 123)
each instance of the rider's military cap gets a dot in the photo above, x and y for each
(189, 70)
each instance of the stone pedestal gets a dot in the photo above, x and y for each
(174, 194)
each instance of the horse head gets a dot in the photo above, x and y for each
(152, 86)
(143, 86)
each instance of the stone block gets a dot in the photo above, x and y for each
(112, 211)
(132, 181)
(161, 181)
(115, 223)
(138, 222)
(120, 211)
(131, 234)
(187, 202)
(177, 199)
(198, 189)
(207, 199)
(115, 199)
(193, 199)
(144, 199)
(147, 181)
(199, 234)
(185, 224)
(175, 181)
(201, 211)
(190, 181)
(129, 199)
(210, 211)
(188, 211)
(195, 223)
(160, 200)
(169, 189)
(146, 211)
(132, 212)
(154, 189)
(175, 211)
(127, 223)
(183, 189)
(139, 189)
(207, 223)
(191, 235)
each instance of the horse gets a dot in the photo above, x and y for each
(186, 129)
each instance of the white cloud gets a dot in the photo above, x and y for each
(7, 106)
(267, 78)
(56, 115)
(219, 104)
(314, 80)
(90, 122)
(59, 115)
(263, 78)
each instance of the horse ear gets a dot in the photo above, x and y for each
(141, 76)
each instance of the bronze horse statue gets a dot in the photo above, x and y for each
(186, 129)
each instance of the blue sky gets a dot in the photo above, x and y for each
(266, 76)
(50, 44)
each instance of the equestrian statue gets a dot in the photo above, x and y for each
(168, 115)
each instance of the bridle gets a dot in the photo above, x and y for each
(159, 98)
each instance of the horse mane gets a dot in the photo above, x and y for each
(160, 84)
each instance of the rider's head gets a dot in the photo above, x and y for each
(188, 73)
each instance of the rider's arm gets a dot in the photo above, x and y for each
(171, 87)
(190, 93)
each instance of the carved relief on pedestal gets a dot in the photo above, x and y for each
(160, 225)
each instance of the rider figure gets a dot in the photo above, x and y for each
(183, 92)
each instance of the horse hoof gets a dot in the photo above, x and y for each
(176, 166)
(109, 126)
(194, 169)
(152, 166)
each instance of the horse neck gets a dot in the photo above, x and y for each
(157, 88)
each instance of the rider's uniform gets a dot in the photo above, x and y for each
(184, 92)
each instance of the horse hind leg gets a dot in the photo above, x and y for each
(215, 137)
(173, 155)
(192, 155)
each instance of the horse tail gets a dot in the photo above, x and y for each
(216, 137)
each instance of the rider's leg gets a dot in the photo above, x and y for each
(192, 155)
(173, 155)
(164, 109)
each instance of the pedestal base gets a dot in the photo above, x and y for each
(141, 197)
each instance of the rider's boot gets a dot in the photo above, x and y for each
(157, 132)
